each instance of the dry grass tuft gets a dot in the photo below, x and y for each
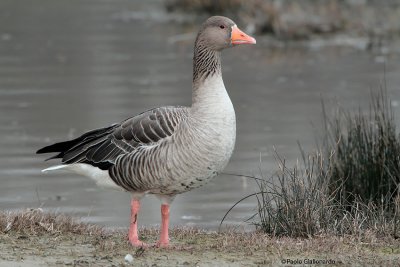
(36, 222)
(348, 187)
(366, 162)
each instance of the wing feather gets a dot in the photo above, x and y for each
(101, 147)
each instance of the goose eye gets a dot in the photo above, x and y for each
(222, 26)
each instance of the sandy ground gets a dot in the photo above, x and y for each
(37, 238)
(192, 248)
(76, 250)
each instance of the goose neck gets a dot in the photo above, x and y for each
(206, 63)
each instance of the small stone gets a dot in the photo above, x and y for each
(129, 258)
(8, 227)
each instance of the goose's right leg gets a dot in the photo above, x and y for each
(133, 234)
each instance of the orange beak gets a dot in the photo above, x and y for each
(238, 37)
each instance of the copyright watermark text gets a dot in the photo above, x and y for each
(308, 261)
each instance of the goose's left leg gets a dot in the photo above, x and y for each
(164, 237)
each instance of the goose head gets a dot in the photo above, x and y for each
(218, 33)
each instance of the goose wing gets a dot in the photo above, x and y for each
(101, 147)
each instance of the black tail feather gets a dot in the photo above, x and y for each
(63, 147)
(58, 147)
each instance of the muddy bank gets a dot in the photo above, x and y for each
(293, 20)
(35, 238)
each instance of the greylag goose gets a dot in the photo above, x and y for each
(168, 150)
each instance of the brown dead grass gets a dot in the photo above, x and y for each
(40, 239)
(36, 222)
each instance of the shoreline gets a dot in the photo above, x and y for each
(311, 23)
(36, 238)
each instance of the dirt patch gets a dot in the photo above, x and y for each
(35, 245)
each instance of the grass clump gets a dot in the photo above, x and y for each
(294, 203)
(37, 222)
(348, 186)
(367, 154)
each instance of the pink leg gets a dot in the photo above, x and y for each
(164, 240)
(133, 235)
